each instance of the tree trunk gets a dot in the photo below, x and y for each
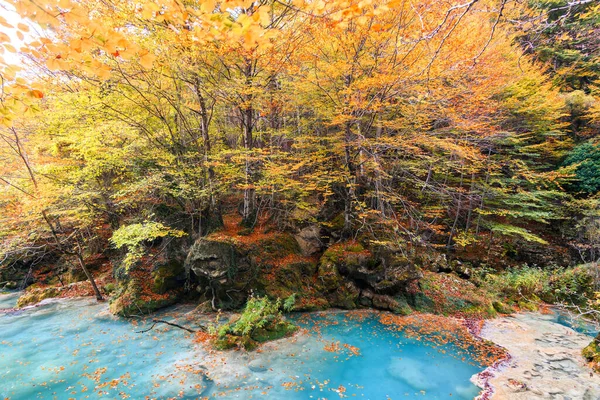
(89, 275)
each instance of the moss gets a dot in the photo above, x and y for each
(423, 303)
(592, 353)
(229, 342)
(502, 308)
(527, 305)
(354, 247)
(34, 296)
(403, 307)
(311, 303)
(260, 322)
(337, 223)
(278, 331)
(165, 276)
(131, 298)
(279, 245)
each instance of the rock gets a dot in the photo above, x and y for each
(309, 240)
(34, 296)
(11, 285)
(257, 366)
(546, 361)
(501, 307)
(383, 270)
(592, 353)
(461, 269)
(168, 276)
(133, 297)
(410, 371)
(214, 259)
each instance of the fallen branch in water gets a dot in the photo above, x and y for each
(160, 321)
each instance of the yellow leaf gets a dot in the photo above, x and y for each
(10, 48)
(4, 23)
(147, 60)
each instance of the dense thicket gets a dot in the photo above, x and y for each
(433, 129)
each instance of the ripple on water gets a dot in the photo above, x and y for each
(9, 300)
(74, 349)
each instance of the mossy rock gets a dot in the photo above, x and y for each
(277, 331)
(279, 245)
(212, 258)
(274, 332)
(422, 303)
(402, 307)
(167, 276)
(130, 299)
(74, 275)
(34, 296)
(592, 353)
(11, 285)
(229, 342)
(502, 308)
(311, 303)
(328, 275)
(527, 305)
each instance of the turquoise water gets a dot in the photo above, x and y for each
(581, 325)
(8, 300)
(75, 349)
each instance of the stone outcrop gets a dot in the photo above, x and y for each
(347, 275)
(355, 276)
(155, 282)
(215, 260)
(309, 240)
(546, 360)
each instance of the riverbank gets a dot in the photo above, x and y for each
(545, 360)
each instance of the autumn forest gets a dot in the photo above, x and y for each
(412, 157)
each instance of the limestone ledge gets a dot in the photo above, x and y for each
(545, 362)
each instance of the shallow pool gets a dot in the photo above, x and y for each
(8, 300)
(75, 349)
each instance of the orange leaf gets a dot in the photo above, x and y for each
(36, 94)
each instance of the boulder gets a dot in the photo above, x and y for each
(155, 282)
(382, 270)
(309, 240)
(213, 259)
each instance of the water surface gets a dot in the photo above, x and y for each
(9, 300)
(75, 349)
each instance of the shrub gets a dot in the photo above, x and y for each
(262, 320)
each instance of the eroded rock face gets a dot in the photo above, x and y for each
(151, 284)
(215, 260)
(223, 271)
(309, 240)
(354, 275)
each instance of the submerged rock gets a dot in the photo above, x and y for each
(411, 373)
